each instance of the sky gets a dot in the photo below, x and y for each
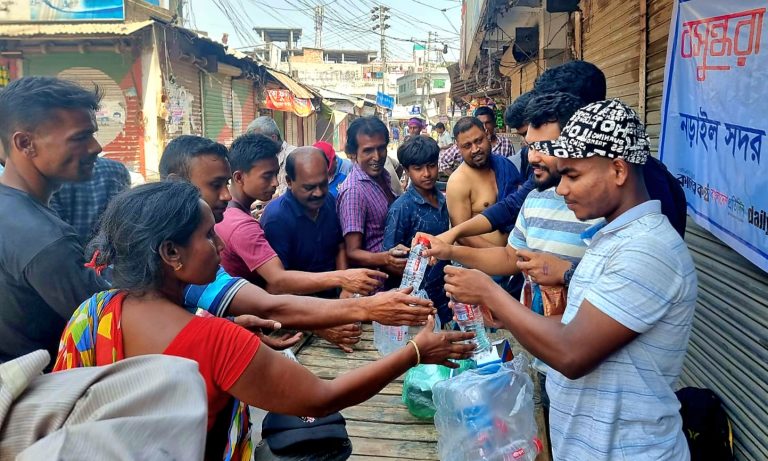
(347, 23)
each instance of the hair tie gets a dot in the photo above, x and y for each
(98, 268)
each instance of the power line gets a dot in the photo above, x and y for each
(434, 7)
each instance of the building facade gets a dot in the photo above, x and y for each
(429, 90)
(159, 81)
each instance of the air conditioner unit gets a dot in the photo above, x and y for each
(526, 45)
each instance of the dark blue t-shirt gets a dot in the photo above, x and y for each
(410, 214)
(301, 243)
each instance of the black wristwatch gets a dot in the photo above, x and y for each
(568, 275)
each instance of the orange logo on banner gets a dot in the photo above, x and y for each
(284, 100)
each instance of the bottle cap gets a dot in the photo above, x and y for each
(423, 240)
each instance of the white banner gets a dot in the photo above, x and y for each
(715, 118)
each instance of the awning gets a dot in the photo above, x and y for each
(10, 31)
(292, 85)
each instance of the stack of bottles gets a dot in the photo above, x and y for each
(386, 338)
(487, 414)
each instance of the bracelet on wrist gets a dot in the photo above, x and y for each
(418, 354)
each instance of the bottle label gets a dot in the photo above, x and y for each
(519, 453)
(465, 313)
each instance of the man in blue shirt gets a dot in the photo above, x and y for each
(302, 225)
(421, 209)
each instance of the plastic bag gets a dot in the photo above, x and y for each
(417, 387)
(487, 414)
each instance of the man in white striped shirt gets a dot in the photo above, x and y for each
(618, 350)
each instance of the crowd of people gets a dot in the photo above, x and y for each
(573, 244)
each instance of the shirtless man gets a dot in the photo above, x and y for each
(479, 182)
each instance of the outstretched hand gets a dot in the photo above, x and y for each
(440, 348)
(467, 285)
(397, 307)
(262, 327)
(438, 249)
(344, 336)
(363, 281)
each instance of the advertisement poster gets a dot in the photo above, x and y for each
(715, 119)
(62, 10)
(285, 101)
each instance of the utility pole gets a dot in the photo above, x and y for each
(319, 12)
(427, 90)
(177, 7)
(379, 13)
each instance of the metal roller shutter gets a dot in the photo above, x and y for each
(728, 350)
(612, 42)
(121, 129)
(187, 77)
(659, 16)
(217, 108)
(244, 105)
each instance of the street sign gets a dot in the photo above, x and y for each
(385, 100)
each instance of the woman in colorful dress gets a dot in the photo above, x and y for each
(160, 238)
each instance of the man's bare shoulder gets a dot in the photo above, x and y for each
(459, 177)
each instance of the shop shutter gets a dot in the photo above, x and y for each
(121, 129)
(187, 77)
(310, 129)
(291, 129)
(244, 105)
(217, 108)
(659, 16)
(300, 131)
(728, 350)
(522, 78)
(611, 41)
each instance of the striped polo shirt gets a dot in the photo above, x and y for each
(638, 271)
(546, 224)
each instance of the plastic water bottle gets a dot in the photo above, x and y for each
(416, 266)
(470, 318)
(386, 338)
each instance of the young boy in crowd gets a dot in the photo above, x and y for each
(421, 208)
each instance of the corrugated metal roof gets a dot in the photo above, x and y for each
(295, 87)
(330, 94)
(79, 29)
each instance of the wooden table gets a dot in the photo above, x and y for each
(380, 428)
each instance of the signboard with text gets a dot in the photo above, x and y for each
(715, 119)
(61, 10)
(285, 101)
(384, 100)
